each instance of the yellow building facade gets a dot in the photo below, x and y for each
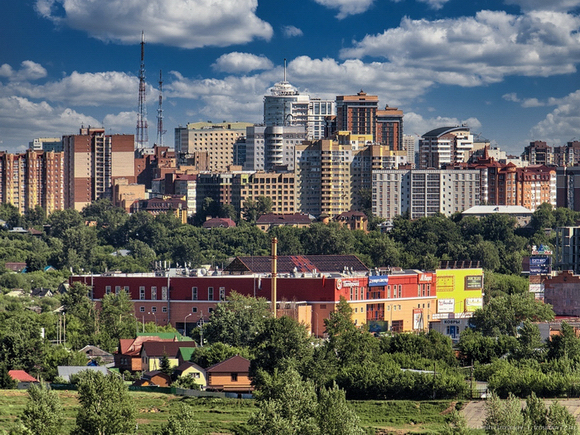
(459, 292)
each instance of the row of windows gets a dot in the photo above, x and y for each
(164, 309)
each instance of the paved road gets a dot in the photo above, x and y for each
(474, 412)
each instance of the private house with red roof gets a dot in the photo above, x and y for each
(231, 375)
(128, 355)
(24, 379)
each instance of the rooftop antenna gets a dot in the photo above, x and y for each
(160, 131)
(284, 69)
(142, 137)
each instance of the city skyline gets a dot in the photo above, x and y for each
(506, 68)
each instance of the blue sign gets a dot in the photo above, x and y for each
(378, 280)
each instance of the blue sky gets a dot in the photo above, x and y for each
(508, 68)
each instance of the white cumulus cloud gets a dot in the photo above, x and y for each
(471, 51)
(291, 31)
(434, 4)
(347, 7)
(418, 125)
(179, 23)
(550, 5)
(241, 63)
(563, 123)
(29, 70)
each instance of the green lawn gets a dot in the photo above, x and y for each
(229, 416)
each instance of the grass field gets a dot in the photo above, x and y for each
(230, 416)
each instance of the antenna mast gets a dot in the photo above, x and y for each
(160, 131)
(142, 136)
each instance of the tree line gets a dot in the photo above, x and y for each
(103, 237)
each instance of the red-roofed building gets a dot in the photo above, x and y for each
(231, 375)
(23, 378)
(353, 220)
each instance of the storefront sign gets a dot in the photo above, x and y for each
(473, 282)
(446, 305)
(378, 280)
(472, 304)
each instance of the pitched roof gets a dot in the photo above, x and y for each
(284, 219)
(21, 376)
(219, 223)
(187, 364)
(298, 263)
(233, 364)
(160, 348)
(66, 371)
(186, 352)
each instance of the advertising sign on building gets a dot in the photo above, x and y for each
(472, 304)
(378, 280)
(417, 319)
(540, 265)
(536, 288)
(473, 282)
(446, 305)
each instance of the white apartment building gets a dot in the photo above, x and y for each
(271, 146)
(445, 146)
(424, 192)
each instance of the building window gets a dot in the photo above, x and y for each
(117, 289)
(222, 293)
(194, 309)
(194, 293)
(164, 309)
(210, 293)
(153, 309)
(234, 377)
(127, 289)
(141, 292)
(164, 293)
(154, 293)
(400, 291)
(141, 309)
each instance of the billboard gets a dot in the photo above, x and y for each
(472, 304)
(540, 265)
(446, 305)
(378, 326)
(473, 282)
(378, 280)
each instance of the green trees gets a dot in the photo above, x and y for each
(105, 406)
(508, 417)
(289, 405)
(237, 322)
(43, 414)
(181, 421)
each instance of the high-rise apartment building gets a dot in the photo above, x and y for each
(390, 128)
(32, 178)
(280, 187)
(538, 153)
(409, 147)
(270, 147)
(424, 192)
(209, 146)
(507, 184)
(445, 146)
(93, 160)
(567, 155)
(46, 144)
(357, 113)
(285, 106)
(323, 177)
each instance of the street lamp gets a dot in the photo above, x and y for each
(185, 324)
(155, 316)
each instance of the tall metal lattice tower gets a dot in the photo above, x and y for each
(160, 131)
(142, 136)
